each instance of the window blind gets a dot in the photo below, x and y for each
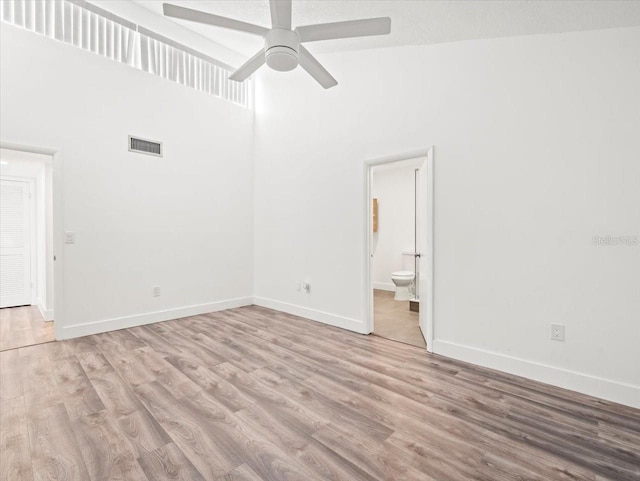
(91, 28)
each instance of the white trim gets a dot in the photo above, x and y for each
(384, 286)
(431, 271)
(354, 325)
(47, 315)
(58, 227)
(97, 327)
(428, 154)
(594, 386)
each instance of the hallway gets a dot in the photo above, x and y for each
(23, 326)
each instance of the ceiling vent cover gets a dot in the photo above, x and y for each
(144, 146)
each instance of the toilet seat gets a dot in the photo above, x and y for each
(402, 275)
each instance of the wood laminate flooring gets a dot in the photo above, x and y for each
(23, 326)
(394, 320)
(252, 394)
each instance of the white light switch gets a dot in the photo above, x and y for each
(69, 237)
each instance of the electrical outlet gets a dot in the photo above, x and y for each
(306, 287)
(156, 291)
(69, 237)
(557, 332)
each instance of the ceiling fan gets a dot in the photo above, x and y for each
(283, 49)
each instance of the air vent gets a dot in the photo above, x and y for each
(144, 146)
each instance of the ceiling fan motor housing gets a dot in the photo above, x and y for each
(281, 49)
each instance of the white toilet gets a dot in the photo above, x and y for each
(403, 281)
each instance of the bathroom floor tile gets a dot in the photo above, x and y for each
(394, 320)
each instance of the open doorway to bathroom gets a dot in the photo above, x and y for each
(399, 233)
(26, 249)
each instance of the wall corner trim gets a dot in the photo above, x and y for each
(618, 392)
(97, 327)
(47, 314)
(354, 325)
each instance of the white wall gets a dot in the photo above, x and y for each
(536, 151)
(182, 222)
(394, 187)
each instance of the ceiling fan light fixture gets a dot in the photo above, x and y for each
(281, 49)
(282, 58)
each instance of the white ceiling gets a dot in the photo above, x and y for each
(416, 22)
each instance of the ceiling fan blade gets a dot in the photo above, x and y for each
(211, 19)
(280, 13)
(247, 68)
(315, 69)
(351, 28)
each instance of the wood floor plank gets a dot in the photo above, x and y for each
(202, 339)
(15, 460)
(254, 394)
(156, 342)
(405, 415)
(328, 407)
(168, 463)
(143, 431)
(215, 385)
(54, 450)
(369, 455)
(78, 394)
(23, 326)
(166, 373)
(116, 395)
(258, 452)
(106, 453)
(10, 377)
(281, 405)
(187, 432)
(241, 473)
(123, 361)
(301, 446)
(41, 390)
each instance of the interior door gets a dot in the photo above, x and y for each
(422, 232)
(15, 243)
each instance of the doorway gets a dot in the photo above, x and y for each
(26, 249)
(399, 252)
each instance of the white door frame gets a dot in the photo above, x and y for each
(368, 224)
(58, 227)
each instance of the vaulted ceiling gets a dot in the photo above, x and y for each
(416, 22)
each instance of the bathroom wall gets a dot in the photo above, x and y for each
(393, 186)
(536, 153)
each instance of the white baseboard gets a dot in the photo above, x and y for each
(97, 327)
(47, 314)
(313, 314)
(384, 286)
(622, 393)
(606, 389)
